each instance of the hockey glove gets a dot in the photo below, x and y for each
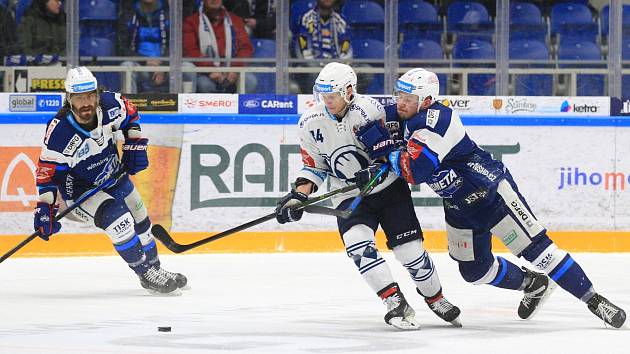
(376, 139)
(364, 176)
(44, 216)
(284, 210)
(134, 155)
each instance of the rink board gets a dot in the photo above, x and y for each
(214, 172)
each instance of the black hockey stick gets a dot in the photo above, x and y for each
(161, 234)
(110, 182)
(365, 191)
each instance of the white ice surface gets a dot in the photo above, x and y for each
(284, 303)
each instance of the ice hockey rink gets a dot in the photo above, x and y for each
(283, 303)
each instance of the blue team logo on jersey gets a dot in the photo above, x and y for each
(84, 87)
(345, 161)
(404, 86)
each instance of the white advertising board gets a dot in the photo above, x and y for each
(208, 103)
(570, 182)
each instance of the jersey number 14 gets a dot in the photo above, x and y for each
(317, 135)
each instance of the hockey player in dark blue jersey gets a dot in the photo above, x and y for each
(78, 153)
(480, 198)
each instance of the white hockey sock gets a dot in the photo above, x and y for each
(360, 246)
(413, 256)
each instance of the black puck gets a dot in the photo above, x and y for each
(164, 329)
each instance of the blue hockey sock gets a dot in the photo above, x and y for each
(570, 276)
(509, 276)
(131, 251)
(150, 250)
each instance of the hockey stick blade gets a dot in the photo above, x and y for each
(163, 236)
(321, 210)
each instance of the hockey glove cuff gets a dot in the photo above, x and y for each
(44, 220)
(376, 139)
(284, 210)
(134, 155)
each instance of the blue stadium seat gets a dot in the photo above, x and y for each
(468, 17)
(423, 49)
(531, 84)
(4, 3)
(99, 47)
(265, 48)
(370, 49)
(605, 15)
(365, 18)
(419, 19)
(587, 84)
(20, 8)
(569, 15)
(98, 29)
(466, 48)
(108, 81)
(526, 22)
(299, 8)
(104, 10)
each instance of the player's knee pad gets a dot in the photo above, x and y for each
(116, 220)
(136, 206)
(360, 246)
(481, 271)
(544, 254)
(415, 259)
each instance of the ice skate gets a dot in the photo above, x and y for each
(536, 293)
(155, 280)
(443, 308)
(399, 313)
(607, 311)
(179, 278)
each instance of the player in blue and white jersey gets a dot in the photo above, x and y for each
(79, 152)
(331, 150)
(480, 198)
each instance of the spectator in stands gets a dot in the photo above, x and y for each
(215, 33)
(41, 34)
(323, 34)
(143, 31)
(7, 33)
(259, 16)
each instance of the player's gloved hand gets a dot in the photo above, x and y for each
(284, 211)
(364, 176)
(376, 139)
(134, 155)
(44, 216)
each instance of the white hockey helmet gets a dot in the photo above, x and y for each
(335, 78)
(80, 80)
(419, 82)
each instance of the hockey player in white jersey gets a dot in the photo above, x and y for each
(330, 149)
(480, 199)
(79, 152)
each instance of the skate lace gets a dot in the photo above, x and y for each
(167, 273)
(156, 276)
(531, 295)
(606, 311)
(392, 301)
(441, 306)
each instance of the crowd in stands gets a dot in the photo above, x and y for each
(34, 33)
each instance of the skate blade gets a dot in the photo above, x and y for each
(405, 324)
(550, 290)
(186, 287)
(175, 292)
(457, 323)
